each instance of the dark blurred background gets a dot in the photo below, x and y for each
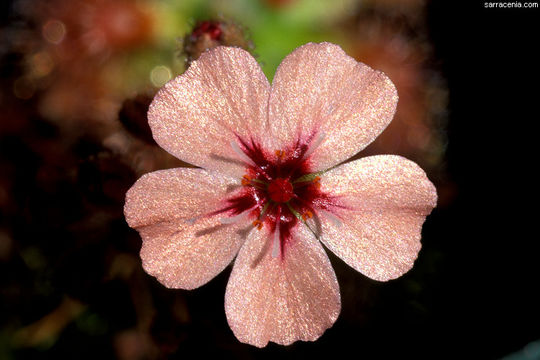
(76, 80)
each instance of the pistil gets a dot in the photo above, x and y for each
(280, 190)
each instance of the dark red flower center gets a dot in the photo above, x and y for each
(280, 190)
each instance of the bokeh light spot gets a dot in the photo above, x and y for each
(54, 31)
(41, 64)
(160, 75)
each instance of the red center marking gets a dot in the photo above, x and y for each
(280, 190)
(279, 201)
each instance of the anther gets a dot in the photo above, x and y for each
(246, 180)
(258, 224)
(280, 154)
(317, 182)
(307, 215)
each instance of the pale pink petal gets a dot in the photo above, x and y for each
(183, 247)
(322, 95)
(281, 299)
(197, 115)
(385, 201)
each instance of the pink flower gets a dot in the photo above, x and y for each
(270, 189)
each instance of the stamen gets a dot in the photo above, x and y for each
(259, 181)
(280, 154)
(262, 214)
(299, 183)
(246, 180)
(317, 182)
(308, 178)
(315, 143)
(258, 224)
(302, 219)
(241, 154)
(256, 183)
(307, 215)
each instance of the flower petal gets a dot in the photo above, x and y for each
(281, 299)
(196, 116)
(385, 201)
(183, 247)
(319, 91)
